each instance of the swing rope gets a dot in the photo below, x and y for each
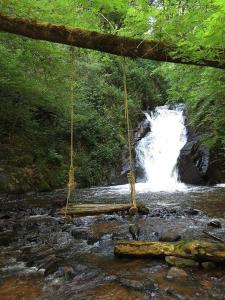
(71, 177)
(130, 175)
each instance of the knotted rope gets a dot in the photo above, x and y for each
(71, 176)
(130, 175)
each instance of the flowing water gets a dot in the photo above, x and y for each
(43, 257)
(157, 153)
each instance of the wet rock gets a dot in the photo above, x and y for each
(32, 238)
(193, 162)
(169, 236)
(164, 212)
(175, 295)
(133, 211)
(192, 211)
(5, 215)
(143, 210)
(110, 278)
(208, 265)
(36, 255)
(134, 230)
(6, 237)
(59, 201)
(68, 272)
(92, 239)
(131, 283)
(80, 233)
(4, 182)
(215, 224)
(181, 262)
(177, 273)
(51, 266)
(116, 236)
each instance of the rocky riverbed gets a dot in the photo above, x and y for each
(44, 257)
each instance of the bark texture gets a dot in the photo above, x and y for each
(197, 250)
(94, 209)
(103, 42)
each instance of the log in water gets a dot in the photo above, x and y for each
(197, 250)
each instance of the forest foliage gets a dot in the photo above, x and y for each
(35, 82)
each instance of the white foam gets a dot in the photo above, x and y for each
(157, 153)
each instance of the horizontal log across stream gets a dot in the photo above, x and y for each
(196, 249)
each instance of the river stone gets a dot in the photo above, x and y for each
(80, 233)
(215, 224)
(169, 236)
(131, 283)
(193, 162)
(181, 262)
(173, 293)
(134, 230)
(68, 272)
(177, 273)
(143, 210)
(6, 237)
(208, 265)
(192, 211)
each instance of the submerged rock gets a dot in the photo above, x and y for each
(6, 237)
(80, 233)
(208, 265)
(143, 210)
(134, 230)
(177, 273)
(192, 211)
(181, 262)
(215, 224)
(169, 236)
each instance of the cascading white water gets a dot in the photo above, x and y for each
(157, 153)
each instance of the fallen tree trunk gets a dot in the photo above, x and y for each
(109, 43)
(197, 250)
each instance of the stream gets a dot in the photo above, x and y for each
(43, 257)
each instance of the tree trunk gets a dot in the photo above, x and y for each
(197, 250)
(103, 42)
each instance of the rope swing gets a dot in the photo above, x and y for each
(71, 176)
(96, 208)
(130, 175)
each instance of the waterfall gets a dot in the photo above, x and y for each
(157, 153)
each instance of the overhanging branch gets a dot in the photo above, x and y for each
(103, 42)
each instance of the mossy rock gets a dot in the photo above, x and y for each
(181, 262)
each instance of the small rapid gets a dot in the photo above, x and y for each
(158, 151)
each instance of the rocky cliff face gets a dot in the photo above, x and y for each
(197, 164)
(120, 176)
(193, 163)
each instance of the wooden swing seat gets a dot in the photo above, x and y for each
(94, 209)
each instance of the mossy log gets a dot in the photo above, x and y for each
(196, 249)
(104, 42)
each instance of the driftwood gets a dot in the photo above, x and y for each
(197, 250)
(104, 42)
(94, 209)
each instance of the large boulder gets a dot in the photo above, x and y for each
(193, 163)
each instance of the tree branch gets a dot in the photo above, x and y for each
(103, 42)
